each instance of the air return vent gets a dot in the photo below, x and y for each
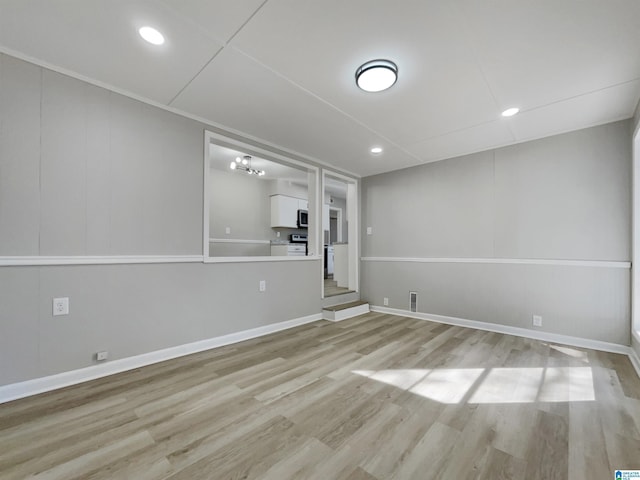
(413, 301)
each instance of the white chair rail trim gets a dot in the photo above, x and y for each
(514, 261)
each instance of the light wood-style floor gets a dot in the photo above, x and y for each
(331, 288)
(374, 397)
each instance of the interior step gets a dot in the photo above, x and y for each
(335, 313)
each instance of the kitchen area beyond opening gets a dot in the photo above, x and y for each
(261, 206)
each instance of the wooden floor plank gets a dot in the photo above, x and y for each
(374, 397)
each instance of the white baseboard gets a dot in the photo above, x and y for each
(635, 360)
(517, 331)
(338, 315)
(53, 382)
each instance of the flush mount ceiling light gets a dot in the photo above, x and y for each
(244, 164)
(151, 35)
(376, 75)
(376, 150)
(510, 112)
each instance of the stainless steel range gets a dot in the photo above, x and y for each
(298, 245)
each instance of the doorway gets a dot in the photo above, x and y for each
(339, 221)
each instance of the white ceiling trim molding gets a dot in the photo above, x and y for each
(221, 129)
(512, 261)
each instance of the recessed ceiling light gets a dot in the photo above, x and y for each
(510, 112)
(376, 75)
(376, 150)
(151, 35)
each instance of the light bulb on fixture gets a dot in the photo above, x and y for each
(244, 164)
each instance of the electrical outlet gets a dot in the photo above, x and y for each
(101, 356)
(278, 234)
(369, 231)
(537, 321)
(61, 306)
(263, 285)
(385, 301)
(227, 230)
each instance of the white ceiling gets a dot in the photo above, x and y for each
(283, 70)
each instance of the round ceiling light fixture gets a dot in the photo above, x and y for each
(151, 35)
(376, 75)
(376, 150)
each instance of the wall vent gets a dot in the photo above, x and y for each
(413, 301)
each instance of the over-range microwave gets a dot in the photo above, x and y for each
(303, 218)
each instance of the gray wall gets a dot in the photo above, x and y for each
(87, 172)
(242, 203)
(84, 171)
(134, 309)
(566, 197)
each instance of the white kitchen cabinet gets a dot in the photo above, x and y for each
(284, 211)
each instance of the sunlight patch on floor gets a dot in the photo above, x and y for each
(447, 385)
(571, 352)
(492, 385)
(509, 385)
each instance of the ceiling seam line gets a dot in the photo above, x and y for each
(326, 102)
(526, 111)
(590, 92)
(526, 139)
(173, 99)
(454, 131)
(469, 34)
(245, 23)
(472, 45)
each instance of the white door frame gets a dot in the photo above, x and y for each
(635, 235)
(353, 216)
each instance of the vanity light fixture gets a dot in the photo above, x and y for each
(151, 35)
(244, 164)
(376, 75)
(510, 112)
